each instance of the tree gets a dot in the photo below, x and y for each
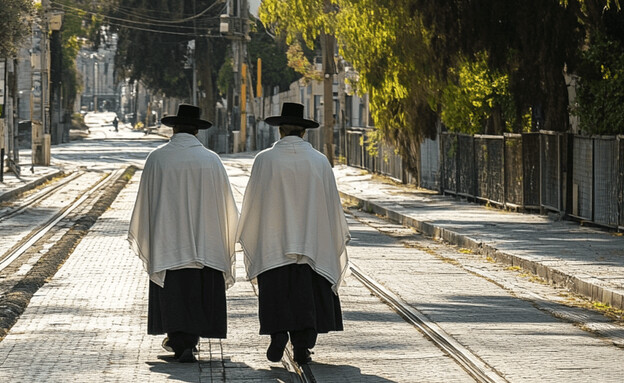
(154, 46)
(15, 25)
(275, 69)
(390, 48)
(477, 99)
(600, 96)
(309, 20)
(421, 61)
(78, 26)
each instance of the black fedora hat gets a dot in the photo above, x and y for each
(292, 114)
(187, 115)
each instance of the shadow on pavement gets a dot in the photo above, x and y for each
(215, 370)
(343, 373)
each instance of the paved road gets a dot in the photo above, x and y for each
(88, 322)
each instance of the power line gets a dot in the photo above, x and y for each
(153, 22)
(174, 21)
(190, 33)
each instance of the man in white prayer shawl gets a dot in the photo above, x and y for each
(183, 228)
(294, 234)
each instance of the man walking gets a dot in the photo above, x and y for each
(183, 228)
(294, 233)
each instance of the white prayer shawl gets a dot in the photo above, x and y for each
(292, 213)
(185, 215)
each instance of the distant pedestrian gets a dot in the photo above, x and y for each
(294, 234)
(183, 228)
(116, 123)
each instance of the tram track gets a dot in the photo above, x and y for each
(36, 197)
(477, 368)
(472, 364)
(46, 250)
(26, 242)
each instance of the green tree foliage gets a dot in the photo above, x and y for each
(482, 66)
(153, 45)
(600, 94)
(296, 19)
(275, 69)
(600, 98)
(77, 27)
(15, 16)
(299, 62)
(225, 78)
(472, 98)
(532, 41)
(389, 46)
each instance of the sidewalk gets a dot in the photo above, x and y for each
(87, 323)
(588, 261)
(29, 178)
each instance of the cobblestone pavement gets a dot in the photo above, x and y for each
(519, 338)
(88, 323)
(521, 342)
(587, 260)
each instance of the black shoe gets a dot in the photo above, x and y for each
(165, 344)
(302, 355)
(275, 352)
(187, 356)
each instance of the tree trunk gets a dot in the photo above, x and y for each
(556, 111)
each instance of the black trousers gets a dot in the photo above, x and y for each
(297, 300)
(191, 302)
(303, 338)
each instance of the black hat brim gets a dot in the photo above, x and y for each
(175, 120)
(288, 120)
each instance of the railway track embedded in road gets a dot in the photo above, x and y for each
(44, 227)
(31, 261)
(477, 368)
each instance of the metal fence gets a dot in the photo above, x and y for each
(579, 176)
(582, 176)
(531, 170)
(551, 178)
(514, 175)
(620, 143)
(386, 161)
(597, 180)
(606, 185)
(430, 164)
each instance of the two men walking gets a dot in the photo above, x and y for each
(292, 230)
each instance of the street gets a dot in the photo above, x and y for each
(88, 322)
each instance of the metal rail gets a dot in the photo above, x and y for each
(42, 194)
(302, 373)
(39, 232)
(477, 368)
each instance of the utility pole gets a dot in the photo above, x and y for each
(10, 115)
(41, 128)
(55, 21)
(329, 69)
(4, 137)
(243, 107)
(234, 26)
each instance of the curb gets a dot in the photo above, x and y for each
(30, 185)
(585, 286)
